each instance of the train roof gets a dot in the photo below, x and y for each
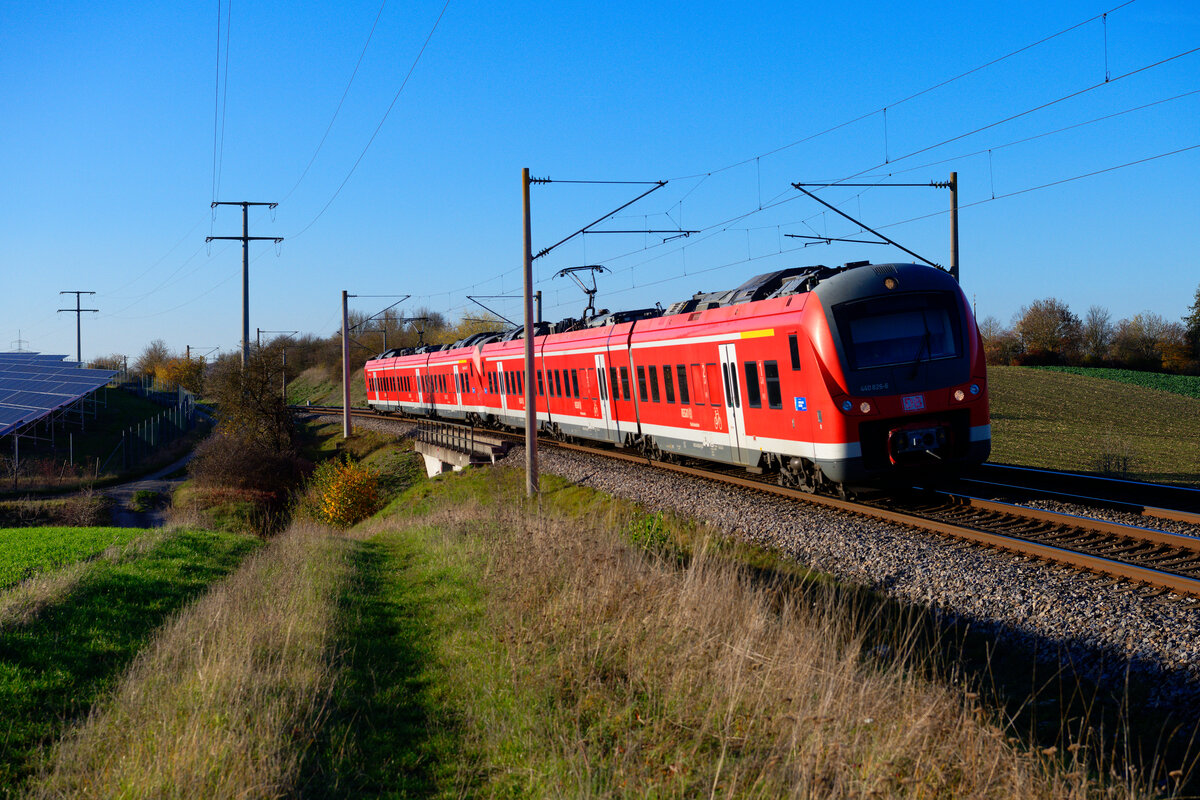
(780, 283)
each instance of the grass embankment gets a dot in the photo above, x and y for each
(66, 642)
(322, 386)
(1059, 420)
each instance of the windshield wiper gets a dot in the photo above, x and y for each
(926, 342)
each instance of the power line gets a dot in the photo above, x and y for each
(914, 96)
(221, 99)
(1027, 139)
(378, 127)
(337, 110)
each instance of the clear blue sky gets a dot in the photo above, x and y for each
(110, 124)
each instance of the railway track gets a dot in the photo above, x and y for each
(1154, 562)
(1163, 501)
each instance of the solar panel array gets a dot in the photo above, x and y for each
(33, 386)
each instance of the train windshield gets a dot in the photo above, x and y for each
(900, 329)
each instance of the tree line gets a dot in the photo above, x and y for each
(287, 356)
(1047, 332)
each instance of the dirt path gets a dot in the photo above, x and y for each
(125, 517)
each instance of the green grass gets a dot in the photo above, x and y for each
(453, 685)
(322, 386)
(1059, 420)
(25, 552)
(394, 730)
(1186, 385)
(54, 668)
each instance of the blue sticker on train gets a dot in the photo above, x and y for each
(802, 404)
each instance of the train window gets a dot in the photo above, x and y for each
(712, 384)
(725, 379)
(697, 385)
(575, 382)
(624, 383)
(557, 383)
(541, 384)
(603, 384)
(753, 396)
(681, 374)
(899, 329)
(641, 372)
(521, 383)
(668, 383)
(654, 383)
(794, 349)
(771, 374)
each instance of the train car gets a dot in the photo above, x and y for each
(831, 377)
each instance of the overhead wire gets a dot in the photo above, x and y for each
(913, 96)
(341, 102)
(378, 127)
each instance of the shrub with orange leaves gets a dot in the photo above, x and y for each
(342, 493)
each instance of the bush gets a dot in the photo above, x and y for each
(144, 500)
(225, 460)
(341, 493)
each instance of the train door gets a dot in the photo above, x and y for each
(735, 419)
(458, 397)
(500, 385)
(606, 423)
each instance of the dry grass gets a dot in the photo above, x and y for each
(21, 604)
(614, 674)
(225, 701)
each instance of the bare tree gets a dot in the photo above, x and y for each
(1097, 333)
(1048, 332)
(155, 355)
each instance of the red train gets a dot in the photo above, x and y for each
(832, 377)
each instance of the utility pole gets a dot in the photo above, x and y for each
(954, 225)
(245, 239)
(78, 315)
(531, 452)
(346, 427)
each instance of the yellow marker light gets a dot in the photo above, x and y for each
(890, 283)
(865, 407)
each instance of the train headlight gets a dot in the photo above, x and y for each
(960, 395)
(847, 405)
(890, 283)
(864, 407)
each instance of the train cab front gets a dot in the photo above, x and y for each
(904, 366)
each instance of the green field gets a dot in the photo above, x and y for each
(1061, 420)
(25, 552)
(53, 667)
(1186, 385)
